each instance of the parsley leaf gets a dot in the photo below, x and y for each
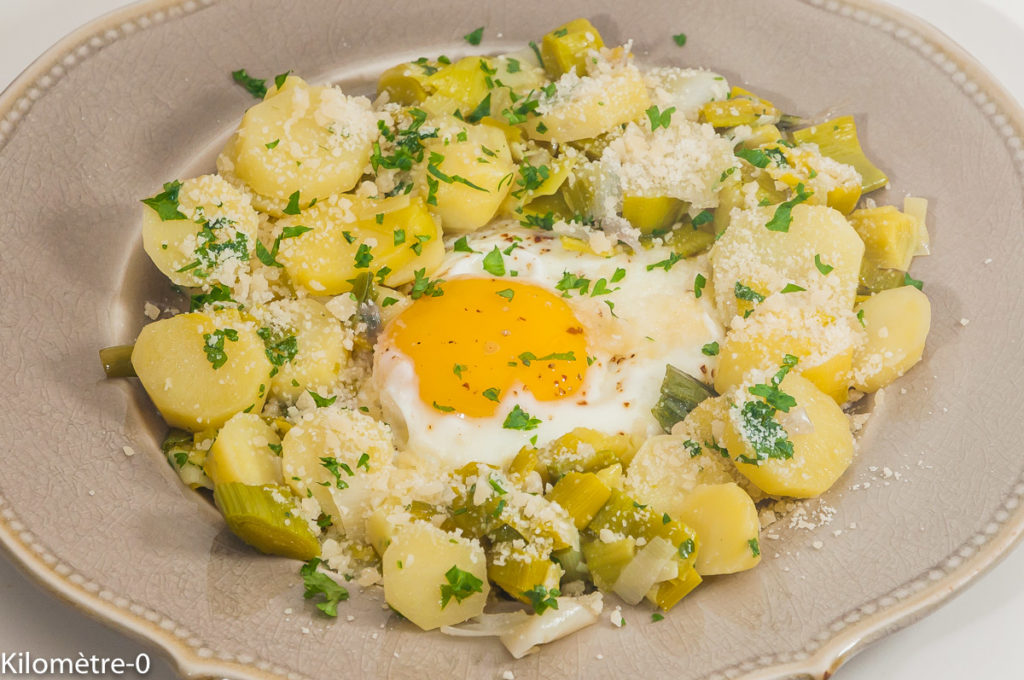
(793, 288)
(494, 264)
(822, 267)
(507, 293)
(686, 548)
(442, 408)
(660, 118)
(482, 109)
(542, 599)
(746, 293)
(756, 157)
(318, 583)
(257, 87)
(279, 348)
(755, 547)
(421, 286)
(908, 280)
(710, 349)
(698, 285)
(166, 202)
(213, 345)
(667, 263)
(518, 419)
(462, 246)
(461, 584)
(474, 37)
(293, 205)
(703, 217)
(679, 39)
(321, 402)
(492, 393)
(783, 217)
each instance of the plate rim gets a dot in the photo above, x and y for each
(829, 649)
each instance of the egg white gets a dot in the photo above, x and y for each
(654, 319)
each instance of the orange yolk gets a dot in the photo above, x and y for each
(482, 337)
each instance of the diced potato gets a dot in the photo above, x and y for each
(823, 343)
(750, 254)
(242, 453)
(314, 140)
(598, 103)
(214, 238)
(335, 456)
(725, 518)
(897, 323)
(890, 237)
(482, 160)
(308, 344)
(567, 47)
(201, 369)
(818, 430)
(422, 565)
(346, 239)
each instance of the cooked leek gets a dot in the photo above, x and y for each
(581, 494)
(667, 594)
(519, 573)
(607, 560)
(652, 213)
(643, 572)
(117, 361)
(680, 394)
(837, 139)
(890, 237)
(265, 518)
(567, 46)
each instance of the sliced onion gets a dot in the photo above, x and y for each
(644, 570)
(488, 624)
(573, 613)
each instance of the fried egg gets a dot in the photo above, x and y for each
(530, 339)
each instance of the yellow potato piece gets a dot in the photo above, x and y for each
(897, 323)
(303, 138)
(242, 453)
(822, 443)
(890, 237)
(350, 235)
(750, 254)
(175, 360)
(725, 519)
(823, 343)
(319, 344)
(473, 175)
(415, 567)
(192, 251)
(324, 455)
(589, 106)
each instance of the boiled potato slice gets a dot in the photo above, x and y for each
(212, 240)
(725, 518)
(201, 369)
(818, 430)
(750, 254)
(612, 94)
(308, 345)
(336, 454)
(472, 168)
(897, 322)
(434, 578)
(391, 238)
(242, 453)
(790, 324)
(314, 140)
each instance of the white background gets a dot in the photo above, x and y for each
(978, 634)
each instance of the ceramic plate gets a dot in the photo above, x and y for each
(144, 95)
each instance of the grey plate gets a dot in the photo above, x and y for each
(144, 95)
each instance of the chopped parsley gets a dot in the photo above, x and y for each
(542, 599)
(710, 349)
(213, 345)
(462, 246)
(766, 436)
(698, 285)
(363, 256)
(703, 217)
(335, 467)
(660, 118)
(756, 157)
(679, 39)
(822, 267)
(279, 348)
(273, 144)
(783, 216)
(527, 357)
(692, 447)
(442, 408)
(746, 293)
(322, 402)
(793, 288)
(257, 87)
(457, 369)
(530, 178)
(166, 202)
(755, 547)
(686, 548)
(318, 583)
(293, 205)
(461, 584)
(655, 617)
(494, 264)
(475, 36)
(269, 257)
(666, 264)
(507, 293)
(482, 109)
(860, 317)
(421, 286)
(908, 280)
(218, 293)
(492, 393)
(518, 419)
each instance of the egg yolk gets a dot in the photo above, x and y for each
(481, 337)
